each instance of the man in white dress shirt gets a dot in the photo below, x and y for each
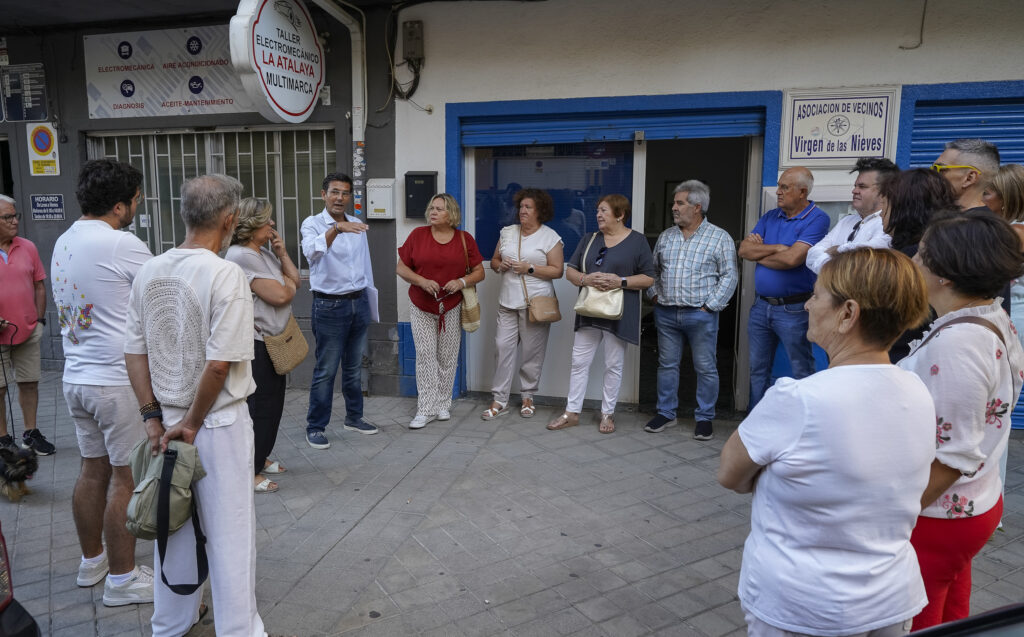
(344, 303)
(863, 228)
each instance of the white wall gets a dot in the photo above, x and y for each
(490, 51)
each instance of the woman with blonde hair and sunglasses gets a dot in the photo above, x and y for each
(259, 250)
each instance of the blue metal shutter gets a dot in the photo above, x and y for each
(620, 126)
(998, 121)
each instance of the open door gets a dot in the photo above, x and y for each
(732, 169)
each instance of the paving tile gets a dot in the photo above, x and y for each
(598, 609)
(466, 528)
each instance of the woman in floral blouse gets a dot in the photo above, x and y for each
(973, 366)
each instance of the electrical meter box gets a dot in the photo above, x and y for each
(419, 188)
(380, 197)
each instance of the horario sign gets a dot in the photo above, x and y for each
(274, 49)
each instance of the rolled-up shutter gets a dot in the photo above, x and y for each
(621, 126)
(998, 121)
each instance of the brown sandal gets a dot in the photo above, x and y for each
(607, 424)
(564, 421)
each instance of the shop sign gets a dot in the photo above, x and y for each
(43, 155)
(47, 207)
(162, 73)
(836, 127)
(277, 55)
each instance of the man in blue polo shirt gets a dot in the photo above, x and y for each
(782, 283)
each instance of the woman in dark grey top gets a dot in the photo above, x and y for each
(616, 258)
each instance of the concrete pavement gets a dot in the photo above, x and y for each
(465, 527)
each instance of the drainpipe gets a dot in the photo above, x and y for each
(358, 99)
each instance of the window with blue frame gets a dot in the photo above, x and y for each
(575, 175)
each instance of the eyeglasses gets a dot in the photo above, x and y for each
(939, 168)
(600, 256)
(341, 193)
(9, 218)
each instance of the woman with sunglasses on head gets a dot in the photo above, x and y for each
(973, 366)
(259, 250)
(614, 257)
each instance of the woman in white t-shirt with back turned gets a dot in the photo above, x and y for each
(837, 462)
(529, 253)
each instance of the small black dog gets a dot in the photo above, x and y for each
(15, 468)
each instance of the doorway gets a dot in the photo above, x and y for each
(6, 173)
(724, 165)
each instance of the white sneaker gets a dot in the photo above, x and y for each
(137, 590)
(444, 415)
(89, 574)
(420, 421)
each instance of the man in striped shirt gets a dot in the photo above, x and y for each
(696, 277)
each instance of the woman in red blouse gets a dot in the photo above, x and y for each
(433, 261)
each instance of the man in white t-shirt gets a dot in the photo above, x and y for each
(93, 266)
(188, 347)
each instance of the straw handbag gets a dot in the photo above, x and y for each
(287, 349)
(470, 301)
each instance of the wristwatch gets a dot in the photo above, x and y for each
(623, 282)
(530, 270)
(41, 319)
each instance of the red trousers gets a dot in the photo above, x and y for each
(945, 549)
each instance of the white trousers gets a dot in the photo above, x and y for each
(758, 628)
(228, 517)
(516, 332)
(584, 346)
(437, 357)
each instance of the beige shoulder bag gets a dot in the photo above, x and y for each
(603, 304)
(539, 309)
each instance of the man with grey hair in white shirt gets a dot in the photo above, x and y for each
(344, 303)
(188, 351)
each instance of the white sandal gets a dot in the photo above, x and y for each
(491, 413)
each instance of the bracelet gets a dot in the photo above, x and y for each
(155, 413)
(150, 406)
(336, 228)
(464, 285)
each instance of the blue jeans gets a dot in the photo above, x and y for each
(769, 325)
(677, 326)
(339, 327)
